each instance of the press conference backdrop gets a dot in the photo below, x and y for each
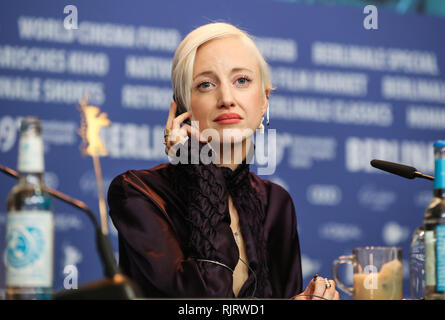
(344, 95)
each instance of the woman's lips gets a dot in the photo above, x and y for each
(228, 121)
(228, 118)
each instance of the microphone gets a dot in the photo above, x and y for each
(399, 169)
(116, 285)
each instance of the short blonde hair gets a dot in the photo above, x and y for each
(184, 58)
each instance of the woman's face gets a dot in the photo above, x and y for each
(227, 82)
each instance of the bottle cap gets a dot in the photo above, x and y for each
(30, 158)
(30, 123)
(439, 144)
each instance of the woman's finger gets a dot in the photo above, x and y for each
(180, 119)
(319, 288)
(176, 135)
(336, 296)
(174, 124)
(171, 115)
(330, 292)
(306, 294)
(192, 131)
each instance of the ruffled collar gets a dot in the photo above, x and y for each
(205, 189)
(235, 178)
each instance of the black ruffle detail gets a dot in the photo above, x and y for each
(252, 217)
(205, 189)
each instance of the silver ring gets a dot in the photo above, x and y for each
(328, 284)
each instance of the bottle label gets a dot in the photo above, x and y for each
(29, 249)
(440, 257)
(30, 154)
(439, 174)
(430, 258)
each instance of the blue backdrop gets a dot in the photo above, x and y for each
(345, 95)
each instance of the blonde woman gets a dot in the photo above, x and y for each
(198, 229)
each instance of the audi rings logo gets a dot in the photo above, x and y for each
(25, 245)
(323, 194)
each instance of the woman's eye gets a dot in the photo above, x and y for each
(243, 80)
(204, 85)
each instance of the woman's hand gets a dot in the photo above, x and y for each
(178, 133)
(317, 288)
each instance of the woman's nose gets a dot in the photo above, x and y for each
(225, 98)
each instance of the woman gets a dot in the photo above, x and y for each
(211, 229)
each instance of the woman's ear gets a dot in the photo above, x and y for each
(263, 111)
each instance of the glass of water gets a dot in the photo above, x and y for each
(417, 264)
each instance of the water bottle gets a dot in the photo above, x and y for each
(29, 222)
(434, 224)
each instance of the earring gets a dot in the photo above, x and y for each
(261, 126)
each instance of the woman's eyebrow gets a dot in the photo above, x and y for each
(241, 69)
(234, 70)
(205, 73)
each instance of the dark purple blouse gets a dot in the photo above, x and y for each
(170, 216)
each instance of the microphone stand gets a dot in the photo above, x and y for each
(399, 169)
(115, 285)
(422, 175)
